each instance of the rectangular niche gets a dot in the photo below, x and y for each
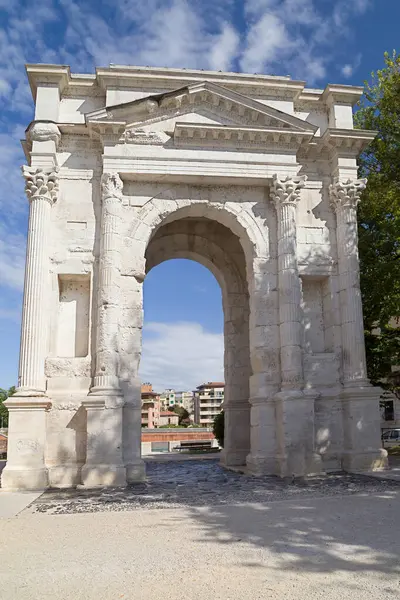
(72, 338)
(317, 315)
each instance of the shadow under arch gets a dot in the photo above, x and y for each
(217, 248)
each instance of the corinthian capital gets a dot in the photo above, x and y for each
(346, 193)
(286, 191)
(40, 183)
(111, 185)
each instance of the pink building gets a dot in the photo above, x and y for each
(150, 406)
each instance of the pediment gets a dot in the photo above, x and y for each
(204, 104)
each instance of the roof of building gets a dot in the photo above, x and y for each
(168, 413)
(211, 384)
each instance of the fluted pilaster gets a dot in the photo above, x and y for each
(345, 196)
(41, 189)
(104, 405)
(108, 291)
(286, 194)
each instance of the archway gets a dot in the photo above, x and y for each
(216, 247)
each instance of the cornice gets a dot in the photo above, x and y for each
(219, 100)
(257, 137)
(169, 79)
(152, 78)
(59, 75)
(341, 94)
(347, 142)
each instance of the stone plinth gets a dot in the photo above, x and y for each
(104, 464)
(26, 468)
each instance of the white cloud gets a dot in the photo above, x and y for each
(181, 355)
(12, 258)
(343, 10)
(266, 39)
(12, 198)
(173, 33)
(295, 37)
(348, 69)
(224, 49)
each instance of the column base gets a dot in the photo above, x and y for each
(296, 455)
(28, 393)
(95, 476)
(65, 476)
(362, 431)
(233, 458)
(135, 473)
(305, 465)
(23, 480)
(371, 460)
(262, 465)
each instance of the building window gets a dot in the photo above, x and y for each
(159, 446)
(387, 410)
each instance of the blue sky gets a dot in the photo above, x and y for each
(321, 41)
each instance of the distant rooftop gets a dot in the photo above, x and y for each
(211, 384)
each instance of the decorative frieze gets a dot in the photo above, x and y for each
(139, 136)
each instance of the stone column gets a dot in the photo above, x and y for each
(25, 467)
(41, 189)
(294, 406)
(345, 197)
(286, 194)
(104, 463)
(360, 400)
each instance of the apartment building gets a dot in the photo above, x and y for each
(151, 406)
(186, 400)
(168, 399)
(208, 402)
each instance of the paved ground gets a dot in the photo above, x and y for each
(12, 503)
(226, 537)
(202, 483)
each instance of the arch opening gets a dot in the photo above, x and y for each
(217, 248)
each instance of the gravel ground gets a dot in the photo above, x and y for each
(342, 547)
(201, 483)
(202, 533)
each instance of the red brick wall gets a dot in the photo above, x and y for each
(177, 437)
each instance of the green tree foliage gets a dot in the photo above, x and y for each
(379, 222)
(4, 394)
(181, 412)
(219, 428)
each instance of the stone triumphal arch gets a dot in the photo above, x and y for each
(253, 176)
